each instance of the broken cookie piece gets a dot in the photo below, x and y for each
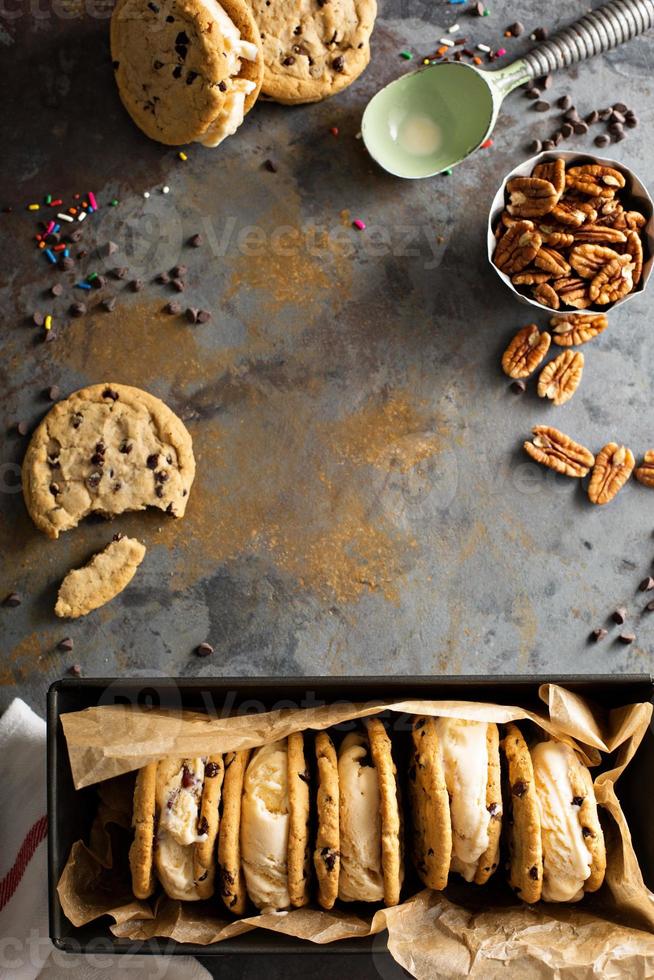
(101, 580)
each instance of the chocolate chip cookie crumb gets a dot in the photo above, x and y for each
(204, 650)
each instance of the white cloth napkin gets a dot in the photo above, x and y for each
(25, 949)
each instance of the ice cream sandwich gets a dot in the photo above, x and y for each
(556, 842)
(175, 820)
(456, 800)
(370, 818)
(326, 855)
(274, 831)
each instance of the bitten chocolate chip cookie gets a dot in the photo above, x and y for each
(186, 70)
(106, 449)
(101, 580)
(312, 48)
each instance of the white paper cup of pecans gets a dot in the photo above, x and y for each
(633, 196)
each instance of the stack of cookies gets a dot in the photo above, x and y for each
(301, 819)
(189, 70)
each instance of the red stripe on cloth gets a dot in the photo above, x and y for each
(12, 879)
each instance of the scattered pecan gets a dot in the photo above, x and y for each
(635, 250)
(551, 261)
(554, 171)
(530, 277)
(572, 329)
(530, 197)
(613, 466)
(525, 352)
(613, 281)
(558, 451)
(560, 378)
(546, 296)
(645, 472)
(517, 248)
(595, 179)
(588, 260)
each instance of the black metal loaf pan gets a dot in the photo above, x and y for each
(70, 812)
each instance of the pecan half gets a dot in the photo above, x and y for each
(530, 197)
(588, 260)
(554, 171)
(631, 220)
(525, 352)
(577, 328)
(560, 378)
(645, 472)
(572, 291)
(530, 277)
(555, 238)
(635, 250)
(613, 281)
(516, 249)
(613, 466)
(573, 213)
(545, 295)
(558, 451)
(551, 261)
(598, 234)
(594, 179)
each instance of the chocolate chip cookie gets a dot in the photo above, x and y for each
(102, 579)
(106, 449)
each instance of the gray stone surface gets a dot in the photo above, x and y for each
(362, 503)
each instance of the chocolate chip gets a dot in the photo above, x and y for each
(38, 319)
(601, 140)
(564, 102)
(161, 476)
(53, 393)
(126, 447)
(290, 60)
(615, 127)
(577, 800)
(93, 480)
(170, 19)
(192, 314)
(540, 34)
(515, 30)
(493, 808)
(118, 536)
(478, 9)
(54, 489)
(196, 241)
(211, 769)
(109, 304)
(97, 459)
(67, 263)
(76, 420)
(618, 136)
(190, 78)
(57, 289)
(650, 606)
(592, 117)
(187, 778)
(587, 832)
(567, 129)
(304, 776)
(269, 165)
(75, 670)
(581, 128)
(620, 615)
(535, 146)
(647, 584)
(177, 71)
(222, 86)
(152, 460)
(158, 491)
(604, 114)
(12, 600)
(136, 285)
(533, 92)
(153, 7)
(616, 117)
(157, 65)
(204, 649)
(329, 857)
(173, 307)
(179, 285)
(627, 638)
(120, 272)
(338, 64)
(518, 386)
(519, 788)
(163, 278)
(541, 105)
(204, 316)
(77, 309)
(546, 81)
(598, 634)
(571, 115)
(178, 271)
(22, 428)
(203, 825)
(631, 120)
(533, 873)
(110, 393)
(620, 107)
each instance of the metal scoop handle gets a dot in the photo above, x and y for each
(595, 32)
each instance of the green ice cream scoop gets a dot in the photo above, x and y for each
(432, 119)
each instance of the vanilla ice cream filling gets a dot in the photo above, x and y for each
(179, 809)
(464, 753)
(566, 859)
(231, 114)
(265, 827)
(361, 878)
